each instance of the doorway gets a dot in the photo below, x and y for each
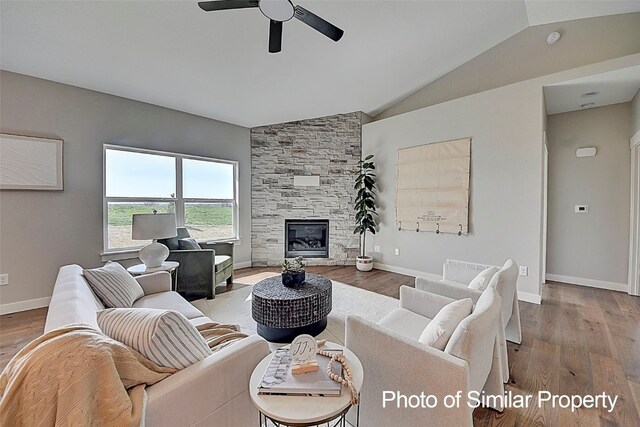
(634, 246)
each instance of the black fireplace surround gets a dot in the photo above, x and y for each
(308, 238)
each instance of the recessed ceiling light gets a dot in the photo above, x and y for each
(553, 37)
(587, 105)
(590, 94)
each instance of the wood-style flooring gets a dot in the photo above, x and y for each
(579, 341)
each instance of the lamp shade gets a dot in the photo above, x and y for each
(153, 226)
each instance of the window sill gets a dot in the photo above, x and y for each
(133, 253)
(234, 240)
(120, 255)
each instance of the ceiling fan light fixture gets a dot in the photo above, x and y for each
(277, 10)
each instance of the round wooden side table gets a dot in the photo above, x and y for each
(306, 411)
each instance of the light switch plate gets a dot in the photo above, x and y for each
(376, 248)
(524, 271)
(4, 279)
(397, 251)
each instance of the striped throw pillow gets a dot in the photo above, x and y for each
(115, 287)
(165, 337)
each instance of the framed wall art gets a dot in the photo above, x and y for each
(30, 163)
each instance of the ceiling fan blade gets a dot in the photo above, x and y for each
(275, 36)
(209, 6)
(319, 24)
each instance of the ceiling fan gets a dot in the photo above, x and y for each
(278, 11)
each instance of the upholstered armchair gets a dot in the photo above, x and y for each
(504, 282)
(201, 268)
(395, 361)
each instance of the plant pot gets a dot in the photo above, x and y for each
(292, 279)
(364, 263)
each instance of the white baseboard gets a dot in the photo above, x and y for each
(601, 284)
(529, 297)
(522, 296)
(243, 264)
(15, 307)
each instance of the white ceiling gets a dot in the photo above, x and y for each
(614, 87)
(216, 65)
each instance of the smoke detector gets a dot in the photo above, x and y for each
(553, 37)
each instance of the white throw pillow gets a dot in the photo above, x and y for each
(481, 281)
(115, 287)
(165, 337)
(440, 329)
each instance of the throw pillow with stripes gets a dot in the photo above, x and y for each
(115, 287)
(165, 337)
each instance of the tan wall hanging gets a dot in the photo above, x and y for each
(432, 187)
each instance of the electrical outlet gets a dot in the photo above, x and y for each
(376, 248)
(4, 279)
(524, 271)
(397, 251)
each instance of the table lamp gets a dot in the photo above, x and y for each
(153, 226)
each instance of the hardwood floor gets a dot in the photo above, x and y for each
(579, 341)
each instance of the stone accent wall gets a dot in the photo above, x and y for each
(329, 147)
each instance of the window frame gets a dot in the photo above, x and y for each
(179, 201)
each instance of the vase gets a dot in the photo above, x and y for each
(364, 263)
(291, 279)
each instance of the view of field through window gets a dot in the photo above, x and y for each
(205, 204)
(203, 220)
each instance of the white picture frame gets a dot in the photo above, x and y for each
(30, 163)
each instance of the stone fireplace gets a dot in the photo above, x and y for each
(308, 238)
(305, 170)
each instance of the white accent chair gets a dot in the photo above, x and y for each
(395, 361)
(505, 283)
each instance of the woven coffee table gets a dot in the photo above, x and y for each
(283, 313)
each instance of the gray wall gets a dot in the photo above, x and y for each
(506, 126)
(526, 55)
(328, 147)
(594, 245)
(41, 231)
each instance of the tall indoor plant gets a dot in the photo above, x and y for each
(365, 207)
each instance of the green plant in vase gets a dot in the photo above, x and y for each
(293, 272)
(365, 208)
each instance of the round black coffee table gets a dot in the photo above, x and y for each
(283, 313)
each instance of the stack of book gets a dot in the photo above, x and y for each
(278, 378)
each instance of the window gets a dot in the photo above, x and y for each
(201, 191)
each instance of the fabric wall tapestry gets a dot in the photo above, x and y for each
(432, 187)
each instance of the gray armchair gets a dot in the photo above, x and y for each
(200, 269)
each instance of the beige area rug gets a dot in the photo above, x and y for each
(235, 307)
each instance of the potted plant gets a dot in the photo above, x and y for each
(293, 272)
(365, 207)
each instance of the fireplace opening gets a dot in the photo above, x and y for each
(306, 238)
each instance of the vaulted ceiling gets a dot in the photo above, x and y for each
(217, 65)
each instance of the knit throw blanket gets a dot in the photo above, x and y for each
(76, 376)
(218, 336)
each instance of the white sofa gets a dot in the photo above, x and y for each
(212, 392)
(395, 361)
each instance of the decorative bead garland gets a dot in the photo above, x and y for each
(347, 381)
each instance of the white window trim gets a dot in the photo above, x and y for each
(125, 253)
